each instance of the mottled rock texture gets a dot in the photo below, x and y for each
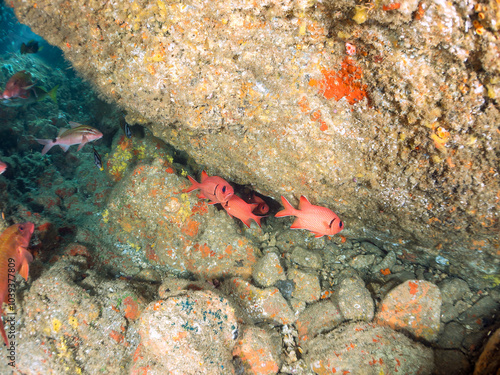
(400, 139)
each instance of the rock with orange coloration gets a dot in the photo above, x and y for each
(150, 219)
(414, 307)
(268, 270)
(306, 258)
(191, 333)
(70, 313)
(381, 138)
(258, 305)
(354, 300)
(307, 286)
(317, 318)
(257, 351)
(368, 349)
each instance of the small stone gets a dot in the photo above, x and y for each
(286, 288)
(307, 287)
(372, 249)
(453, 289)
(362, 261)
(354, 300)
(268, 270)
(387, 263)
(317, 318)
(258, 305)
(452, 336)
(306, 258)
(414, 306)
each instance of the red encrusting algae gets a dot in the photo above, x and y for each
(343, 83)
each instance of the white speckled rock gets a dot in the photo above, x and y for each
(268, 270)
(354, 300)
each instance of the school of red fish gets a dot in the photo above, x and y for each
(14, 241)
(321, 221)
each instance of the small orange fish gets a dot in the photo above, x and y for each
(14, 257)
(319, 220)
(262, 208)
(214, 188)
(242, 210)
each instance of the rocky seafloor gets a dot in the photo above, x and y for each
(134, 275)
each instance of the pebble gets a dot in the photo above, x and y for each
(306, 258)
(372, 249)
(258, 305)
(452, 336)
(268, 270)
(364, 348)
(317, 318)
(387, 263)
(361, 262)
(414, 306)
(307, 287)
(453, 289)
(354, 300)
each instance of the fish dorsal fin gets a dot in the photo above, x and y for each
(204, 175)
(74, 124)
(304, 203)
(62, 130)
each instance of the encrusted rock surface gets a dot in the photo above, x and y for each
(400, 139)
(362, 348)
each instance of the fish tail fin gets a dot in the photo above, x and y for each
(194, 184)
(2, 329)
(48, 143)
(53, 94)
(288, 211)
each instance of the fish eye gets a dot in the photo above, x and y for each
(341, 224)
(223, 189)
(21, 227)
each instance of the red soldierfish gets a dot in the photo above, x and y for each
(78, 134)
(214, 188)
(262, 208)
(14, 257)
(319, 220)
(242, 210)
(18, 86)
(3, 167)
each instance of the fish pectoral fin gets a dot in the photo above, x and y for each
(24, 269)
(84, 142)
(317, 235)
